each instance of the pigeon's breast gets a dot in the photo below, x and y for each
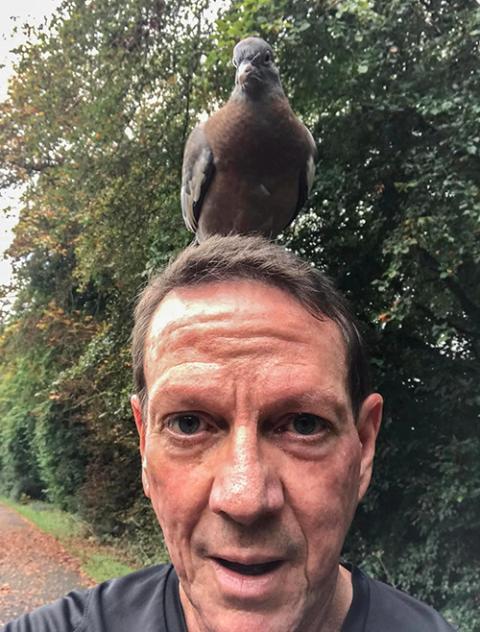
(256, 139)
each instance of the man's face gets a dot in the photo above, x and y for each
(252, 459)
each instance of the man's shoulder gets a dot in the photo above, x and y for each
(145, 584)
(135, 601)
(382, 607)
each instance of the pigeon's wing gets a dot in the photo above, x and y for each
(307, 174)
(197, 173)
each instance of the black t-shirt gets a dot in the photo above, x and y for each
(149, 601)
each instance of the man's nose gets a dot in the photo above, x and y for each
(245, 487)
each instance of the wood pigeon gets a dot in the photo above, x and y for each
(250, 166)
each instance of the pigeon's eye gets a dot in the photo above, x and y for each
(267, 58)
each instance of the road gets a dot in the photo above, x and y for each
(34, 568)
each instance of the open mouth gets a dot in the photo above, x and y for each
(249, 569)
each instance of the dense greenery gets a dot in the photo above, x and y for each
(94, 128)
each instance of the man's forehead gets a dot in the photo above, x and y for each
(236, 297)
(242, 307)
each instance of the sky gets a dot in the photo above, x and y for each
(33, 12)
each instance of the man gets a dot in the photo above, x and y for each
(257, 434)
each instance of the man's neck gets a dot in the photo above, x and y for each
(331, 619)
(341, 602)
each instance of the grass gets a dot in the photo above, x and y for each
(58, 523)
(101, 566)
(98, 561)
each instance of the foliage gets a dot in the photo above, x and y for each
(94, 128)
(19, 471)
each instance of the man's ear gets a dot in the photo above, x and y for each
(141, 428)
(368, 425)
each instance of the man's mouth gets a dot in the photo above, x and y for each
(249, 569)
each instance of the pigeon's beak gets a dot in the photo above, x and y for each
(245, 72)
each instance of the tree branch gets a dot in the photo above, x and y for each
(468, 306)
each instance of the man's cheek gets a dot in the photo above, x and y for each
(177, 514)
(328, 503)
(175, 500)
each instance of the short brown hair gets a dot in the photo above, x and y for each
(225, 258)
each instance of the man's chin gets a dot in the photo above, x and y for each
(223, 619)
(239, 608)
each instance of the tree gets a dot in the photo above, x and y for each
(94, 128)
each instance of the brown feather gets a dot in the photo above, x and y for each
(257, 148)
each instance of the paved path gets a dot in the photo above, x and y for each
(34, 568)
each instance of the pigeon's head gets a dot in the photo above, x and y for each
(256, 72)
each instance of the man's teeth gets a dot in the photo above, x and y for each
(249, 569)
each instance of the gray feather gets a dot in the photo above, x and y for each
(197, 173)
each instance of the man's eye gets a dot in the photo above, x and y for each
(306, 424)
(187, 424)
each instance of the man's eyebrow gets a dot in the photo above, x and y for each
(306, 401)
(182, 390)
(193, 394)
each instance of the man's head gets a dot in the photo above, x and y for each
(257, 432)
(253, 258)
